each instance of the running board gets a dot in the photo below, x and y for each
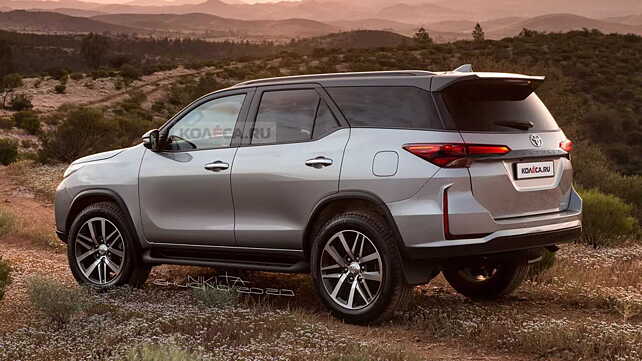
(157, 258)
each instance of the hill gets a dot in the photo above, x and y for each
(199, 22)
(563, 23)
(375, 24)
(44, 21)
(420, 14)
(359, 39)
(628, 20)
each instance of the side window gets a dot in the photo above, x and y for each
(325, 121)
(387, 107)
(285, 116)
(210, 125)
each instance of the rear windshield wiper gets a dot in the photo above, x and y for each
(515, 124)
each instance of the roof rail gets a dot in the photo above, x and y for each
(466, 68)
(312, 77)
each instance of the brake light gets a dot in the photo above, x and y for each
(454, 155)
(566, 145)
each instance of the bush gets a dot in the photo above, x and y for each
(21, 102)
(607, 219)
(60, 89)
(54, 300)
(7, 222)
(5, 277)
(8, 151)
(160, 353)
(27, 120)
(81, 132)
(77, 76)
(213, 297)
(6, 123)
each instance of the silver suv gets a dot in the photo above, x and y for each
(371, 182)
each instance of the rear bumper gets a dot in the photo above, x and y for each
(499, 242)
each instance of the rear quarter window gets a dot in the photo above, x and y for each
(387, 107)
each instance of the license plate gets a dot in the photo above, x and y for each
(534, 170)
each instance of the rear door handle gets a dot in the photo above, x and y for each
(217, 166)
(318, 162)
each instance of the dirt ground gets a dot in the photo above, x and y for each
(587, 307)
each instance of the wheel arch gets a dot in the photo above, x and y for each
(343, 201)
(92, 196)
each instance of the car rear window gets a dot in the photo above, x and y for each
(496, 106)
(387, 107)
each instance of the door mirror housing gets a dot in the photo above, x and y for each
(151, 140)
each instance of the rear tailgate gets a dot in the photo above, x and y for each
(535, 177)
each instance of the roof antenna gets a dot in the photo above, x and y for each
(466, 68)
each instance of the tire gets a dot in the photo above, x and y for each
(367, 306)
(89, 246)
(497, 280)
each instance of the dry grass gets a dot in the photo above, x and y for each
(57, 302)
(38, 234)
(39, 179)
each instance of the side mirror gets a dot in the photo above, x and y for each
(151, 140)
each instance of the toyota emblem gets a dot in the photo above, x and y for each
(536, 140)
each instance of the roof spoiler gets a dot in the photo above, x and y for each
(466, 68)
(465, 72)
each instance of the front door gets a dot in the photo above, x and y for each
(290, 161)
(185, 189)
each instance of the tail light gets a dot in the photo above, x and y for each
(454, 155)
(566, 145)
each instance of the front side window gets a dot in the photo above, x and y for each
(208, 126)
(288, 116)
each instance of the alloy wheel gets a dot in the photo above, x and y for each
(351, 269)
(100, 250)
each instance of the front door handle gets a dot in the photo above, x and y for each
(217, 166)
(318, 162)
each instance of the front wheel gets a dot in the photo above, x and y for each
(356, 268)
(486, 279)
(102, 252)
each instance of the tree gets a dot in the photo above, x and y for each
(93, 49)
(8, 84)
(6, 58)
(422, 37)
(478, 33)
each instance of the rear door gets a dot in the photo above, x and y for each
(290, 160)
(535, 177)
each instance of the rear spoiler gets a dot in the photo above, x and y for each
(465, 73)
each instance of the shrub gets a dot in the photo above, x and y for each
(607, 219)
(60, 89)
(7, 222)
(6, 123)
(213, 297)
(8, 151)
(5, 277)
(77, 76)
(21, 102)
(27, 120)
(160, 353)
(54, 300)
(83, 131)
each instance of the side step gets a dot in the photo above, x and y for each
(246, 261)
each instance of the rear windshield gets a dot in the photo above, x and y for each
(497, 106)
(387, 107)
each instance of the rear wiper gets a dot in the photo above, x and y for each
(515, 124)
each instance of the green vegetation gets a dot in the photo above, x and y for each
(5, 274)
(607, 220)
(56, 301)
(213, 297)
(160, 353)
(27, 120)
(8, 151)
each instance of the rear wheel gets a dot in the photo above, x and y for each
(486, 279)
(102, 252)
(356, 268)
